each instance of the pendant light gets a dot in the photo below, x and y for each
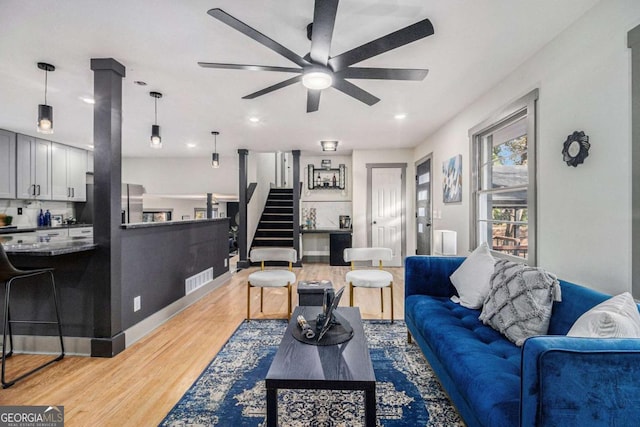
(156, 140)
(215, 157)
(45, 112)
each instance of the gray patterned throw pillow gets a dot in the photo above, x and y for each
(520, 301)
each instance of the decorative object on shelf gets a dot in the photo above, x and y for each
(330, 179)
(215, 157)
(452, 184)
(156, 140)
(329, 146)
(45, 112)
(576, 148)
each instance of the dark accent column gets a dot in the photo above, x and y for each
(209, 205)
(243, 261)
(107, 139)
(633, 40)
(296, 205)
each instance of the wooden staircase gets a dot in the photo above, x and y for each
(275, 227)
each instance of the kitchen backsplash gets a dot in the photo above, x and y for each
(31, 210)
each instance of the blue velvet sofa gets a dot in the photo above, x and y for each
(551, 380)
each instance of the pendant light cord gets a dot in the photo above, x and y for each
(156, 109)
(46, 74)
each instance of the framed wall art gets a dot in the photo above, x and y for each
(452, 180)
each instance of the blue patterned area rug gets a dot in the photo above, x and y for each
(231, 391)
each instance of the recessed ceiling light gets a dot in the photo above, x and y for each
(400, 116)
(191, 145)
(140, 83)
(254, 119)
(88, 99)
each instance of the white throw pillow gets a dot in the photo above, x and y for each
(616, 317)
(472, 279)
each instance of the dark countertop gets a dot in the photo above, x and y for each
(34, 246)
(326, 231)
(170, 223)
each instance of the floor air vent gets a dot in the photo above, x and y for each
(198, 280)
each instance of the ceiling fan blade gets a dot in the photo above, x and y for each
(249, 67)
(277, 86)
(409, 34)
(313, 100)
(234, 23)
(383, 73)
(324, 18)
(354, 91)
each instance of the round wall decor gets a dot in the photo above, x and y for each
(576, 148)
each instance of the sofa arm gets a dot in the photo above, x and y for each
(569, 381)
(429, 275)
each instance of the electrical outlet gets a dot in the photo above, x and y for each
(226, 261)
(136, 303)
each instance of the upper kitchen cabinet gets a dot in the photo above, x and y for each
(68, 173)
(33, 168)
(7, 165)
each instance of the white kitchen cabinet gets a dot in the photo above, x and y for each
(68, 177)
(7, 165)
(33, 168)
(81, 232)
(89, 161)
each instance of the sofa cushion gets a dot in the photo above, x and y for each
(616, 317)
(472, 279)
(520, 301)
(474, 355)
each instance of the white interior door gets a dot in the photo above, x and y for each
(386, 211)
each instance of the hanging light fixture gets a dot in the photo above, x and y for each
(215, 157)
(45, 112)
(156, 140)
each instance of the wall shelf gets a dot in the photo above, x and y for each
(326, 178)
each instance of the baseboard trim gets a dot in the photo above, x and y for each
(40, 344)
(148, 325)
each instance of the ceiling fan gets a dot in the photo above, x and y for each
(318, 70)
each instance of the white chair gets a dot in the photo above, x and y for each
(271, 278)
(370, 278)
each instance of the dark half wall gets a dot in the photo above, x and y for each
(157, 258)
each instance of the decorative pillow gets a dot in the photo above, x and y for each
(520, 301)
(616, 317)
(472, 278)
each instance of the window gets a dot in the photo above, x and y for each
(504, 192)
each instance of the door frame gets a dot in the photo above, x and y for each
(419, 162)
(403, 204)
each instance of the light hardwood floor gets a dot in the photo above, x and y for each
(139, 386)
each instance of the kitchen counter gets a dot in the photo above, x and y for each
(169, 223)
(38, 246)
(13, 229)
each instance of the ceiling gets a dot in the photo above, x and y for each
(475, 45)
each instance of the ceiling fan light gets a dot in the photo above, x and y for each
(45, 118)
(215, 160)
(329, 145)
(156, 140)
(317, 80)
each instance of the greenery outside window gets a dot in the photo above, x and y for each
(504, 181)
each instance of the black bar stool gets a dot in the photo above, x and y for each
(8, 274)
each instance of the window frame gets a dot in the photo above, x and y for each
(496, 121)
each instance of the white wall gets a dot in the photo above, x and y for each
(584, 213)
(262, 170)
(360, 159)
(182, 175)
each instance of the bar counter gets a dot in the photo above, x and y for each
(38, 246)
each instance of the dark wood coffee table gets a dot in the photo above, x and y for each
(344, 366)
